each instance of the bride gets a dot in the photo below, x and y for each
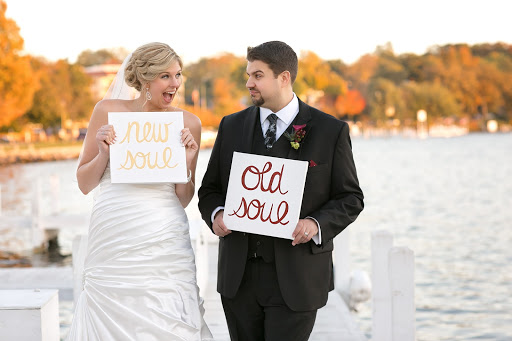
(139, 278)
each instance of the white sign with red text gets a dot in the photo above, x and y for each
(264, 195)
(147, 148)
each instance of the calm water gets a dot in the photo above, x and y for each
(449, 200)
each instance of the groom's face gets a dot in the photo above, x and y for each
(262, 84)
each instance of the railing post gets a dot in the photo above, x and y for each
(342, 263)
(55, 193)
(401, 277)
(28, 315)
(382, 242)
(79, 253)
(37, 233)
(201, 257)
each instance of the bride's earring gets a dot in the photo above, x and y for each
(148, 95)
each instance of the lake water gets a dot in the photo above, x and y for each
(449, 200)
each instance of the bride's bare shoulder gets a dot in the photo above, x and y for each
(103, 107)
(113, 105)
(190, 119)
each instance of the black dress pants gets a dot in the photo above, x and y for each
(258, 311)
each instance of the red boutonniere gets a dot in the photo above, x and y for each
(297, 136)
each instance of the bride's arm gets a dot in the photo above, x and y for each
(192, 138)
(95, 153)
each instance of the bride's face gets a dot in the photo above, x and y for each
(163, 89)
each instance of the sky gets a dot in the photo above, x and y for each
(335, 29)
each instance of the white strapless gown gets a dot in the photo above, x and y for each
(139, 275)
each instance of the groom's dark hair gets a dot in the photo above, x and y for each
(277, 55)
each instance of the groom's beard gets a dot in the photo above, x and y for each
(258, 101)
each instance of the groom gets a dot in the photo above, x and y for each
(270, 287)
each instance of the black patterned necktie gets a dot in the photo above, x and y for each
(270, 135)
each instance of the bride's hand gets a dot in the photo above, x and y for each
(105, 137)
(191, 147)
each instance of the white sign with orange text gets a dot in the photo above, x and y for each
(147, 148)
(264, 195)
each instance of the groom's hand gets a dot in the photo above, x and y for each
(218, 226)
(305, 230)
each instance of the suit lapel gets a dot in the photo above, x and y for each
(248, 129)
(303, 117)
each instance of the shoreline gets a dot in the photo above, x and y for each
(31, 154)
(19, 154)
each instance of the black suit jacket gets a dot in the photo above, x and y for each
(331, 195)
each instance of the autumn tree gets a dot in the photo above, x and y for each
(506, 111)
(389, 66)
(433, 97)
(64, 93)
(494, 78)
(414, 67)
(313, 71)
(219, 83)
(487, 50)
(447, 81)
(82, 102)
(457, 70)
(198, 83)
(47, 107)
(208, 119)
(224, 102)
(350, 104)
(385, 100)
(17, 84)
(359, 74)
(489, 96)
(317, 83)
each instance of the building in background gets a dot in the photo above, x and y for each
(102, 75)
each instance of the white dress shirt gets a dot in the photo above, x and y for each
(285, 117)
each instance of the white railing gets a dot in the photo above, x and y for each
(393, 290)
(43, 225)
(353, 285)
(29, 315)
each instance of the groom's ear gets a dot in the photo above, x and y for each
(285, 78)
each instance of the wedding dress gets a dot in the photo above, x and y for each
(139, 279)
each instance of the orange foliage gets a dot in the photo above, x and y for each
(364, 68)
(352, 103)
(225, 101)
(314, 71)
(208, 119)
(17, 85)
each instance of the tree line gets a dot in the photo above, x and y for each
(459, 83)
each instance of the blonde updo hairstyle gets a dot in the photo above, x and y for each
(147, 62)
